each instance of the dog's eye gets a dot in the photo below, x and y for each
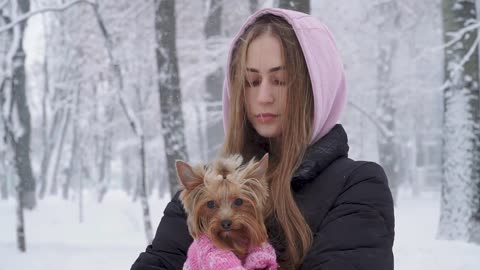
(238, 202)
(211, 204)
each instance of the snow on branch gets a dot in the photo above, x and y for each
(27, 15)
(3, 4)
(456, 36)
(382, 129)
(467, 56)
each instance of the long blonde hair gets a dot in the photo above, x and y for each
(288, 149)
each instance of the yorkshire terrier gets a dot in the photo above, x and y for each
(225, 201)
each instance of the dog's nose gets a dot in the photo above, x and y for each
(226, 224)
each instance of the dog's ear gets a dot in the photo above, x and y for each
(261, 169)
(188, 178)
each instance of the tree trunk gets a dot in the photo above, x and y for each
(460, 211)
(81, 160)
(4, 143)
(59, 152)
(73, 157)
(253, 5)
(169, 88)
(126, 175)
(214, 81)
(202, 129)
(3, 174)
(21, 242)
(104, 162)
(135, 124)
(80, 199)
(47, 141)
(387, 47)
(20, 137)
(49, 145)
(143, 195)
(17, 119)
(298, 5)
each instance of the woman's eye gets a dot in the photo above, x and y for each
(211, 204)
(254, 83)
(238, 202)
(278, 82)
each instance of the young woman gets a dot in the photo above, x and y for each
(283, 94)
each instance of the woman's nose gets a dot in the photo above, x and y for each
(265, 94)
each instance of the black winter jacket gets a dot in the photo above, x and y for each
(347, 204)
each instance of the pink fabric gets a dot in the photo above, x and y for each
(262, 257)
(324, 65)
(203, 255)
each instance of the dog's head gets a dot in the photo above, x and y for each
(225, 200)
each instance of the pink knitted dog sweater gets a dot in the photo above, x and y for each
(204, 255)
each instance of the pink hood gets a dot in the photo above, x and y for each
(324, 66)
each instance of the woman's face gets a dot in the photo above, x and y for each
(265, 93)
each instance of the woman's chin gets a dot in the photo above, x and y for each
(268, 132)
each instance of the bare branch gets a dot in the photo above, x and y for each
(27, 15)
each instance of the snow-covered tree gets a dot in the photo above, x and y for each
(460, 207)
(213, 81)
(169, 88)
(134, 121)
(388, 26)
(298, 5)
(16, 115)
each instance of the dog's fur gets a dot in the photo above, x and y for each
(225, 201)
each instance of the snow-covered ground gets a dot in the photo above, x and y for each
(415, 245)
(111, 235)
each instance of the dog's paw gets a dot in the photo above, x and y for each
(262, 257)
(212, 257)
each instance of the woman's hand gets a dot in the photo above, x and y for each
(262, 257)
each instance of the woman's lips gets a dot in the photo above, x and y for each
(266, 117)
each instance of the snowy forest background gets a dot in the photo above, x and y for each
(98, 98)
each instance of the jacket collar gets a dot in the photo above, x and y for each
(321, 154)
